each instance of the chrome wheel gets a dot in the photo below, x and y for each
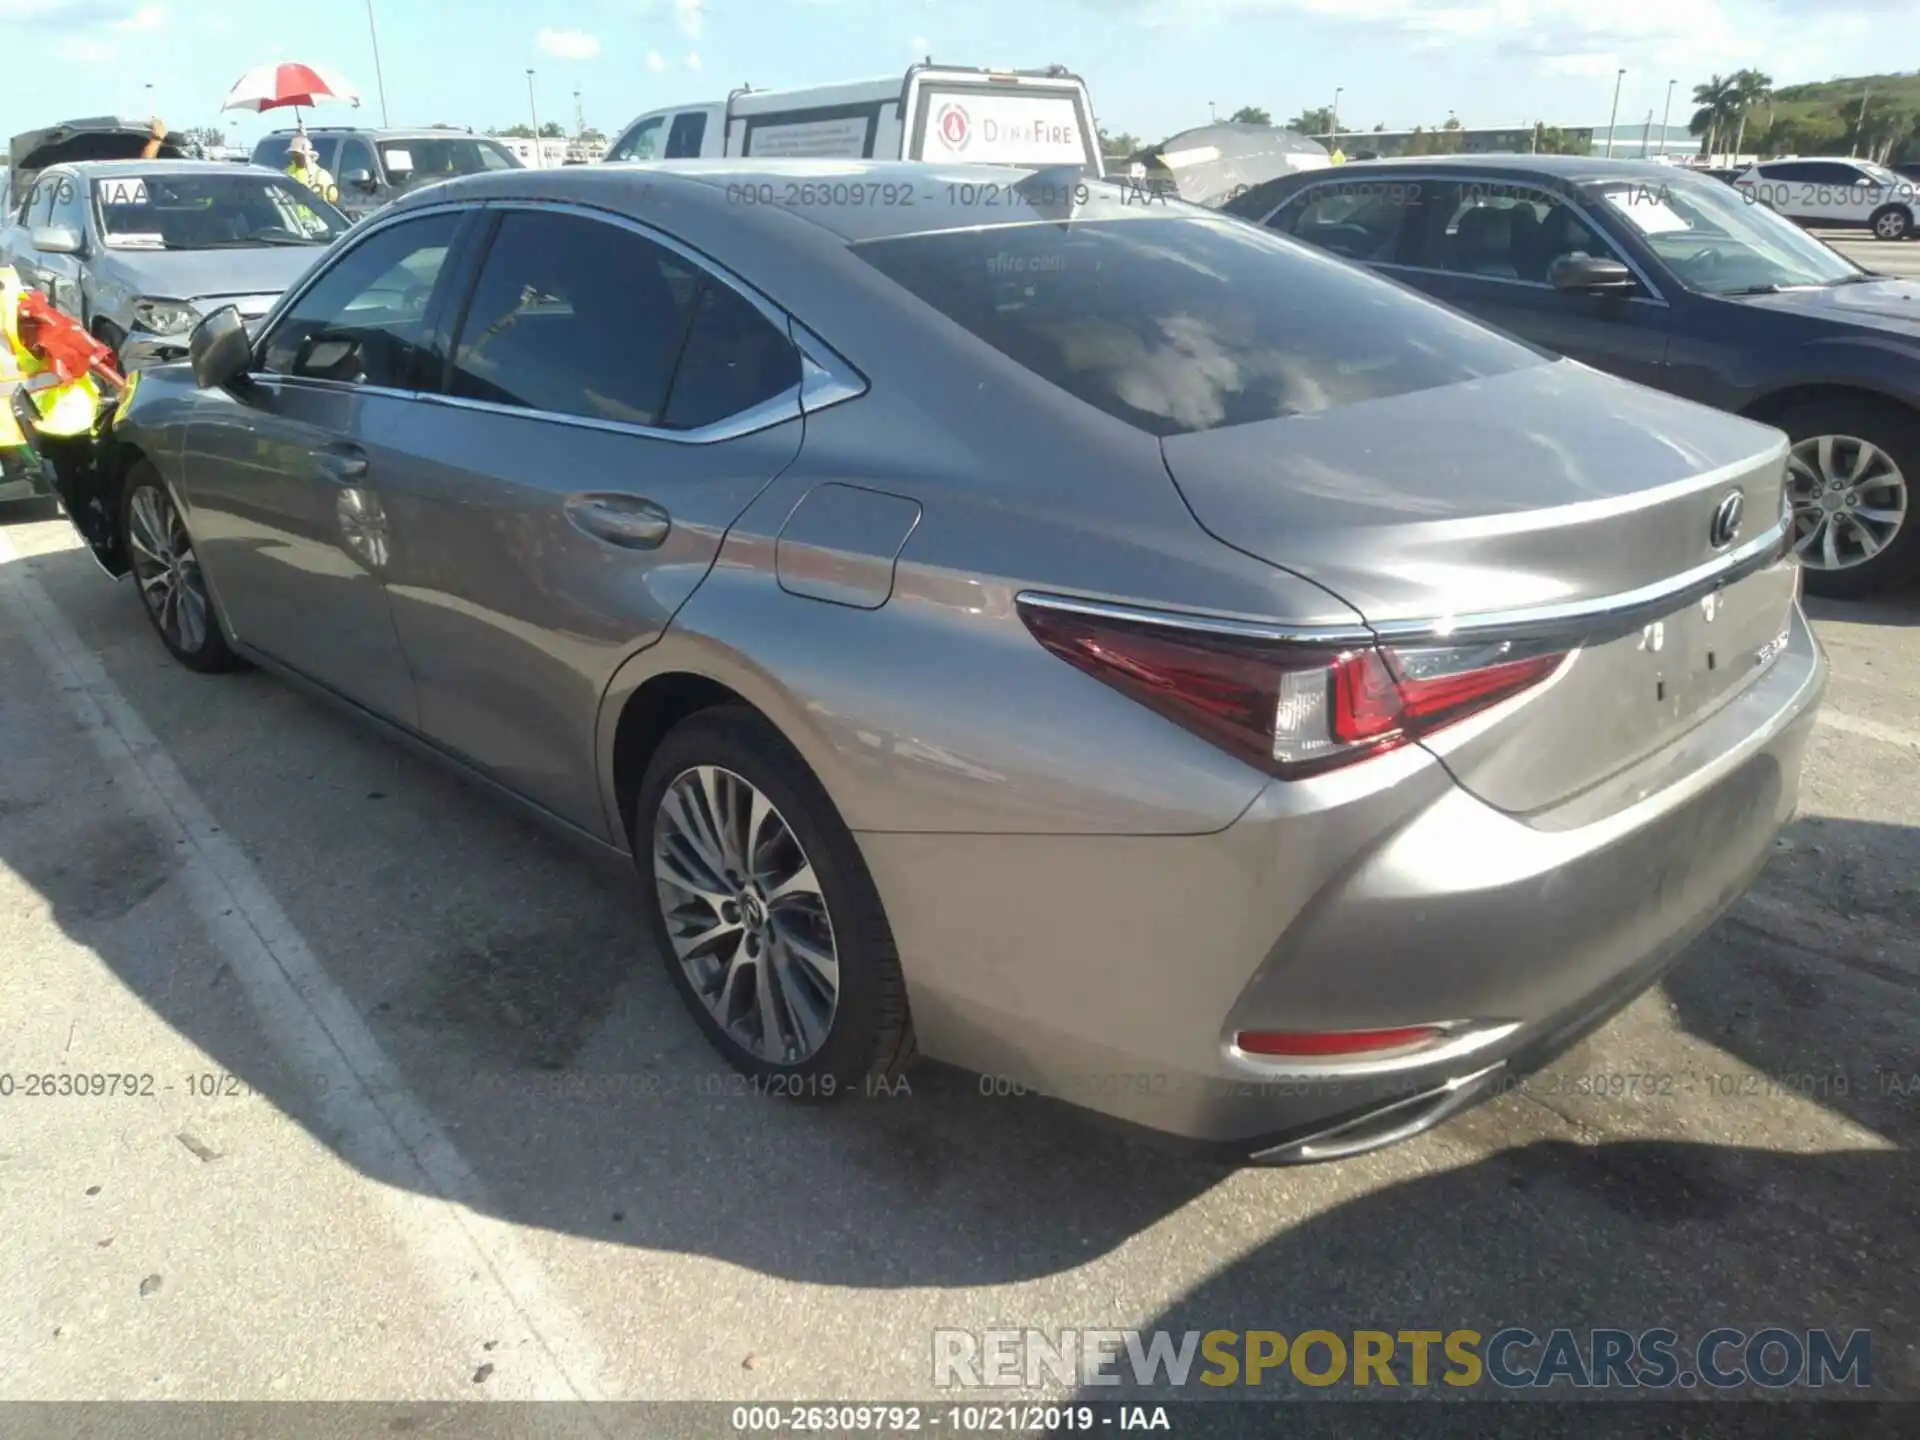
(745, 915)
(1849, 501)
(168, 573)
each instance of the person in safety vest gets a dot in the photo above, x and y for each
(59, 368)
(304, 166)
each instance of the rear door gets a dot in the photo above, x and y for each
(611, 407)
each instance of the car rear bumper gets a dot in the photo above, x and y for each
(1113, 971)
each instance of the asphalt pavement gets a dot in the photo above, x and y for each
(384, 1096)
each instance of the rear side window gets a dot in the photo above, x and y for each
(734, 360)
(573, 316)
(683, 140)
(1359, 221)
(1177, 325)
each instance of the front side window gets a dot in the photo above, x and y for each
(1717, 241)
(70, 207)
(573, 316)
(1178, 325)
(210, 211)
(363, 322)
(640, 143)
(355, 154)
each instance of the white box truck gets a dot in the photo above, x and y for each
(934, 113)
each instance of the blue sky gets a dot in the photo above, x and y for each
(1153, 65)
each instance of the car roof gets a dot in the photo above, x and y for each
(1572, 168)
(398, 132)
(896, 197)
(104, 169)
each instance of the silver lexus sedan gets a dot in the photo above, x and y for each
(1010, 617)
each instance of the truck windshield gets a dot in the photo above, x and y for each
(211, 212)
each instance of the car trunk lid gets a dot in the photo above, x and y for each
(1547, 507)
(102, 137)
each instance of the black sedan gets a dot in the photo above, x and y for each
(1674, 280)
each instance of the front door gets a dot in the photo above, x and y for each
(1488, 248)
(285, 481)
(574, 486)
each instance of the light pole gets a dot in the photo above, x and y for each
(1646, 136)
(539, 160)
(1620, 75)
(1338, 91)
(1665, 115)
(378, 78)
(1213, 117)
(1858, 125)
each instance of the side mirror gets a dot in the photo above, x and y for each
(361, 178)
(1587, 272)
(221, 349)
(57, 240)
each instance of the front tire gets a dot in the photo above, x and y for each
(166, 571)
(1891, 222)
(1850, 477)
(764, 911)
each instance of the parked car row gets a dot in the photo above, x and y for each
(1114, 647)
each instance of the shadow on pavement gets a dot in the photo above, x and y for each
(496, 968)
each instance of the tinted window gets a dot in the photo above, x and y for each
(355, 154)
(364, 320)
(683, 141)
(273, 152)
(1176, 325)
(642, 142)
(1831, 172)
(1361, 221)
(575, 317)
(1503, 230)
(734, 360)
(437, 157)
(1790, 170)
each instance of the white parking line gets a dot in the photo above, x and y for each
(1870, 729)
(438, 1205)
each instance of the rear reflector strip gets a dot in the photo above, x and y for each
(1320, 1044)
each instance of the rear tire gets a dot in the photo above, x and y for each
(756, 893)
(1855, 499)
(166, 572)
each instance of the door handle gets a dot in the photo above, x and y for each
(625, 520)
(344, 464)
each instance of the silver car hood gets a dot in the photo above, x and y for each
(210, 275)
(1552, 484)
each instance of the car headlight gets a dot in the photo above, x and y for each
(165, 317)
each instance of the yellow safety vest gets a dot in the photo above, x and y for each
(317, 180)
(66, 408)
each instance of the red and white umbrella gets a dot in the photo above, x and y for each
(269, 87)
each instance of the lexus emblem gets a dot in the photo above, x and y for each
(1726, 520)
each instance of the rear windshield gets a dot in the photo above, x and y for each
(1179, 325)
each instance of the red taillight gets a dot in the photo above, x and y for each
(1289, 708)
(1322, 1044)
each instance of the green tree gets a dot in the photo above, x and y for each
(1250, 115)
(1118, 142)
(1875, 128)
(1317, 121)
(1717, 103)
(1552, 140)
(512, 132)
(552, 130)
(1750, 87)
(1797, 134)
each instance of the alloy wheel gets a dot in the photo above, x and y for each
(745, 915)
(167, 570)
(1849, 500)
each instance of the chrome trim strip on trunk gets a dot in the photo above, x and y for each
(1579, 621)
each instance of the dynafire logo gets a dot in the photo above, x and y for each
(1270, 1361)
(953, 125)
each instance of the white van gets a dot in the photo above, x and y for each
(935, 113)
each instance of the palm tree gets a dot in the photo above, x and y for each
(1750, 87)
(1717, 104)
